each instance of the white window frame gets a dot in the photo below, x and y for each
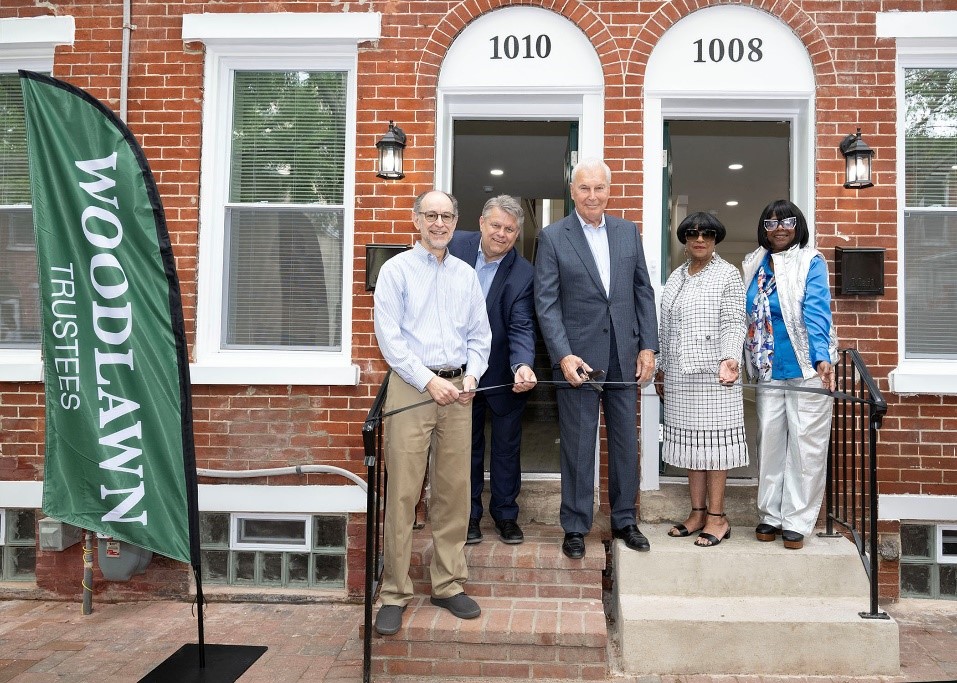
(236, 544)
(928, 40)
(29, 44)
(941, 558)
(307, 42)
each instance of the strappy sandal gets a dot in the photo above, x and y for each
(682, 530)
(711, 538)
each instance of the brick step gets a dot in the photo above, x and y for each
(533, 569)
(516, 639)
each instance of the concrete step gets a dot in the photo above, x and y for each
(533, 569)
(669, 635)
(513, 639)
(741, 566)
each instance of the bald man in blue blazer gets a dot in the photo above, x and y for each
(596, 310)
(506, 279)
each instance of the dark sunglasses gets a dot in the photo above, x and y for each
(694, 233)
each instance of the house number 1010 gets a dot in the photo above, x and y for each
(734, 50)
(514, 47)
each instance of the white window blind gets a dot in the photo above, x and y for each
(930, 213)
(284, 217)
(19, 298)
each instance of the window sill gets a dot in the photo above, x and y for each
(924, 377)
(332, 375)
(21, 366)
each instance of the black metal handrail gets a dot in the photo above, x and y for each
(851, 489)
(375, 503)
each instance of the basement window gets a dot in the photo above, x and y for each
(273, 550)
(18, 544)
(928, 566)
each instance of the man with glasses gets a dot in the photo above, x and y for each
(433, 330)
(506, 280)
(596, 311)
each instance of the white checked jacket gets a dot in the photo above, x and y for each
(713, 319)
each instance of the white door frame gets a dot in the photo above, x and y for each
(799, 112)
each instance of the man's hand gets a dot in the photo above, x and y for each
(443, 391)
(525, 379)
(570, 365)
(646, 366)
(468, 390)
(826, 372)
(728, 371)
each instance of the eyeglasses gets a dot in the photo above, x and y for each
(694, 233)
(433, 216)
(786, 223)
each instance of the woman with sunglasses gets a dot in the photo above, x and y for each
(791, 344)
(700, 336)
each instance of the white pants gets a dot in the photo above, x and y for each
(794, 429)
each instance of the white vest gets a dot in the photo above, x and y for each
(791, 267)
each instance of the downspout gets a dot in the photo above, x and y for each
(125, 57)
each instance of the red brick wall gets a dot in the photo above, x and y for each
(240, 427)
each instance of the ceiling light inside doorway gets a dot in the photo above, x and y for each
(497, 171)
(736, 167)
(732, 202)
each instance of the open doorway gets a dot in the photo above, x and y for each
(529, 160)
(731, 169)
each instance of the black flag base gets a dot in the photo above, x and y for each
(224, 664)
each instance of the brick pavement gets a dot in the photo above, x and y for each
(44, 642)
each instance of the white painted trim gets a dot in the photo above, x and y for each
(228, 498)
(309, 373)
(917, 508)
(21, 494)
(284, 27)
(280, 499)
(21, 365)
(304, 545)
(916, 24)
(41, 33)
(935, 377)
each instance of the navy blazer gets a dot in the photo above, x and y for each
(511, 315)
(574, 313)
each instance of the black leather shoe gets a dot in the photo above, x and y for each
(633, 538)
(475, 532)
(509, 531)
(792, 540)
(766, 532)
(574, 545)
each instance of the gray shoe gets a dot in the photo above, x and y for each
(460, 605)
(389, 619)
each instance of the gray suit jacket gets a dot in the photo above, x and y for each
(574, 313)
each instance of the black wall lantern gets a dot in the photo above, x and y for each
(390, 153)
(857, 159)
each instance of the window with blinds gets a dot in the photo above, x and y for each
(19, 292)
(930, 213)
(284, 216)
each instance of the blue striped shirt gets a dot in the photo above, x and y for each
(430, 314)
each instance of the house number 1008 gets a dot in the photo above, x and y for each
(512, 47)
(734, 50)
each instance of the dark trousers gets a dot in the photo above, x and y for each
(505, 467)
(578, 422)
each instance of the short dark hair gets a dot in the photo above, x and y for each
(703, 221)
(783, 208)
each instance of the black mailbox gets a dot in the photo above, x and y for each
(860, 270)
(376, 255)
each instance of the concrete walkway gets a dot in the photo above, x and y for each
(42, 642)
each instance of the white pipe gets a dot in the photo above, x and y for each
(125, 57)
(276, 471)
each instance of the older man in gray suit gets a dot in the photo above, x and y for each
(596, 310)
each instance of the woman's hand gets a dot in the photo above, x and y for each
(826, 372)
(728, 371)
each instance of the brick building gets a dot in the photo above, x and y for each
(231, 101)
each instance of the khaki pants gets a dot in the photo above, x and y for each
(408, 436)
